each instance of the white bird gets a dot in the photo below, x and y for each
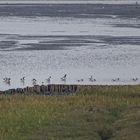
(7, 80)
(80, 80)
(34, 81)
(4, 79)
(22, 79)
(48, 79)
(113, 80)
(117, 79)
(91, 79)
(64, 77)
(135, 79)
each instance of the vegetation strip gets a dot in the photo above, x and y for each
(93, 113)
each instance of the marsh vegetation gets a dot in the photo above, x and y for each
(99, 113)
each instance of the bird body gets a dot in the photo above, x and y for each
(117, 79)
(7, 80)
(91, 79)
(34, 81)
(135, 79)
(22, 79)
(64, 77)
(48, 79)
(80, 80)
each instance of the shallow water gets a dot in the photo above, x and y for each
(70, 1)
(102, 45)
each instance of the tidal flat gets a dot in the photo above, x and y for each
(77, 39)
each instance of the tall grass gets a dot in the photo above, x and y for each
(93, 113)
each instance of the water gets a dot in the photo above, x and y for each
(71, 1)
(53, 40)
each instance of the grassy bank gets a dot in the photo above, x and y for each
(99, 113)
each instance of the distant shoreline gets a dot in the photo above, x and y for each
(67, 2)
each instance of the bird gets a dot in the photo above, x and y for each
(91, 79)
(117, 79)
(34, 81)
(113, 80)
(22, 79)
(135, 79)
(4, 79)
(7, 80)
(80, 80)
(64, 77)
(48, 79)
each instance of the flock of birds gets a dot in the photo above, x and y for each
(7, 80)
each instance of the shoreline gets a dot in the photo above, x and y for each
(68, 2)
(59, 89)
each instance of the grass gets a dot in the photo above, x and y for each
(98, 113)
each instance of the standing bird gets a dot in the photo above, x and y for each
(135, 79)
(117, 79)
(7, 80)
(91, 79)
(64, 77)
(34, 81)
(48, 79)
(22, 80)
(80, 80)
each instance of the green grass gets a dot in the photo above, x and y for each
(99, 113)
